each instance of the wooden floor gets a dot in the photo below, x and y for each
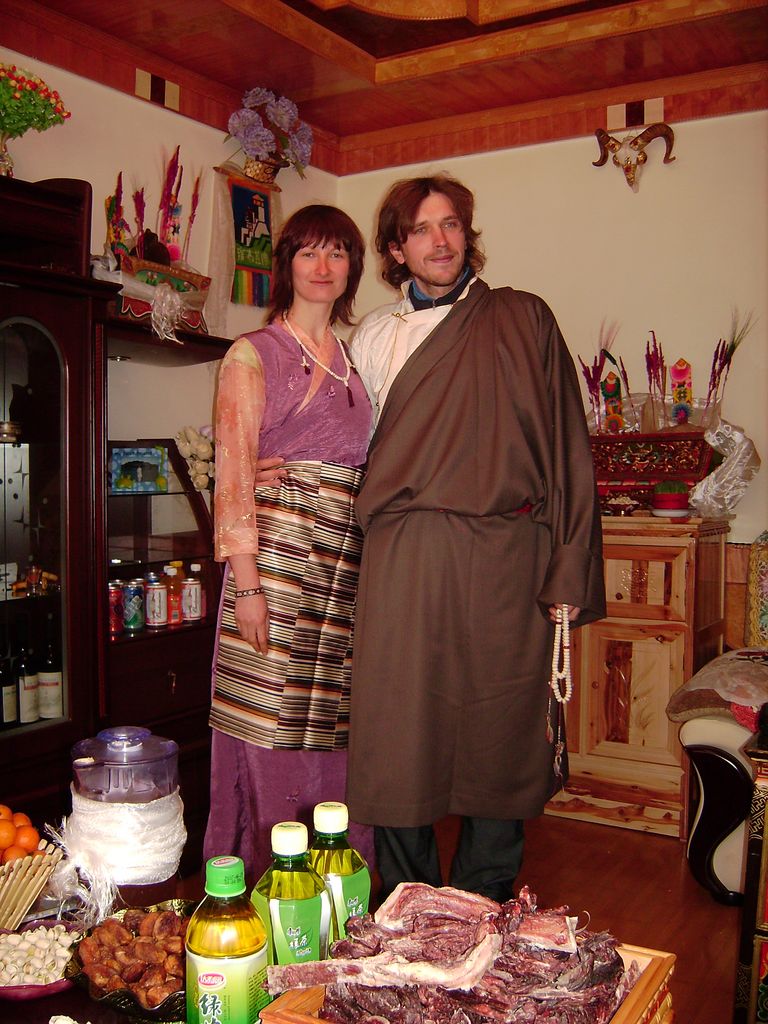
(638, 887)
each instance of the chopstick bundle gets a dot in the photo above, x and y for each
(22, 881)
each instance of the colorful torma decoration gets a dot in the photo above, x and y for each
(169, 247)
(612, 415)
(613, 420)
(681, 384)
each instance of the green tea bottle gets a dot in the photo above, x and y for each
(226, 946)
(292, 900)
(344, 870)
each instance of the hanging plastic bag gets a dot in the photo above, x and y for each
(718, 494)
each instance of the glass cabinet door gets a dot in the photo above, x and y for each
(32, 566)
(157, 521)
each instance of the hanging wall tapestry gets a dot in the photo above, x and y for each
(252, 217)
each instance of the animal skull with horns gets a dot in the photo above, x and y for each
(629, 154)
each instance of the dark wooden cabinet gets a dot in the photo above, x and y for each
(58, 333)
(162, 674)
(48, 323)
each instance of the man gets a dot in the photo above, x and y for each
(480, 519)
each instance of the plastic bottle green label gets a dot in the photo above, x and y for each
(350, 895)
(298, 929)
(223, 990)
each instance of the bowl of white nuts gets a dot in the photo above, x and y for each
(32, 959)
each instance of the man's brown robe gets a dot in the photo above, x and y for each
(453, 645)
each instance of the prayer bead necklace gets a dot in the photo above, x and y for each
(342, 378)
(561, 655)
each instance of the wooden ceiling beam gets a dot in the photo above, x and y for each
(629, 18)
(485, 12)
(753, 73)
(407, 10)
(739, 89)
(307, 33)
(479, 12)
(626, 19)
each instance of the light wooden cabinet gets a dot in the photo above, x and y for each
(665, 619)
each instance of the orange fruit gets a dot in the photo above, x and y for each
(5, 811)
(7, 833)
(38, 853)
(21, 819)
(27, 837)
(14, 853)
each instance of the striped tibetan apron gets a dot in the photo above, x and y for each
(297, 696)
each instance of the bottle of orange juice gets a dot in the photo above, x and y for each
(174, 595)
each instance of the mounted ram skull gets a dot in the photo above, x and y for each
(629, 154)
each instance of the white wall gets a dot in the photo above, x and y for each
(674, 257)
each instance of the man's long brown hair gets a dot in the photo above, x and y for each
(398, 216)
(316, 225)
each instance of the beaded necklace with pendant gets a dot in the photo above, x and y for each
(342, 378)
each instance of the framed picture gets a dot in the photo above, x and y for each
(138, 470)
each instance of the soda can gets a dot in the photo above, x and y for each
(133, 606)
(115, 609)
(191, 599)
(155, 604)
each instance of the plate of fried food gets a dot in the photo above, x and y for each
(134, 961)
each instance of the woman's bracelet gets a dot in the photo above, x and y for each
(251, 592)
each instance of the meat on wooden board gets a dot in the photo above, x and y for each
(444, 955)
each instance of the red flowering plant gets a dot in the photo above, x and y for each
(27, 102)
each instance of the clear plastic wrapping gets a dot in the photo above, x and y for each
(718, 494)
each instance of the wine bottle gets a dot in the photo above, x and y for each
(27, 690)
(50, 684)
(9, 709)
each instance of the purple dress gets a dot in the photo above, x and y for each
(280, 721)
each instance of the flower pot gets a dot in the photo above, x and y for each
(6, 160)
(263, 171)
(673, 500)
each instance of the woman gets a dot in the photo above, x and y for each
(280, 706)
